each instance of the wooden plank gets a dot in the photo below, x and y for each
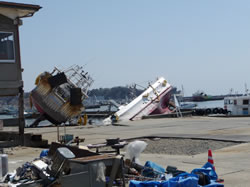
(93, 158)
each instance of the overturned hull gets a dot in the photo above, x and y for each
(58, 95)
(55, 110)
(154, 100)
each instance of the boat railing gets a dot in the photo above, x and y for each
(76, 77)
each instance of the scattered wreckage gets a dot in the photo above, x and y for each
(66, 166)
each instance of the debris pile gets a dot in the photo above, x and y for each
(66, 166)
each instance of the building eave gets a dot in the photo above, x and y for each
(17, 10)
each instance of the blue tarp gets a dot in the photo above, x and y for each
(44, 153)
(208, 170)
(152, 170)
(182, 180)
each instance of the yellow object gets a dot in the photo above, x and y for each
(80, 121)
(155, 92)
(116, 117)
(38, 79)
(164, 83)
(85, 119)
(31, 103)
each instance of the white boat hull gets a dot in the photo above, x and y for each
(150, 101)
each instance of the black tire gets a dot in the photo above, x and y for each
(215, 111)
(202, 112)
(208, 111)
(221, 110)
(193, 112)
(198, 112)
(225, 111)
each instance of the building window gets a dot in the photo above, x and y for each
(245, 102)
(245, 111)
(7, 53)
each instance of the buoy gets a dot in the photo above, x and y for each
(85, 119)
(210, 158)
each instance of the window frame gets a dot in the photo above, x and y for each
(245, 102)
(14, 48)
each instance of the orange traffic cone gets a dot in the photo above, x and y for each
(210, 158)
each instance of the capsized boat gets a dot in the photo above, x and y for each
(154, 100)
(58, 95)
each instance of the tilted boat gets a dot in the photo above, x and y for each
(154, 100)
(58, 95)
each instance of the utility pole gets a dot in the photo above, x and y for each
(21, 115)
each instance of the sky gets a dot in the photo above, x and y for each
(198, 44)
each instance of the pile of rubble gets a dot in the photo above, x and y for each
(67, 166)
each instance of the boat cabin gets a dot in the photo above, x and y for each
(238, 105)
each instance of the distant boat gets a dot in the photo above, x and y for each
(27, 115)
(185, 106)
(201, 96)
(9, 111)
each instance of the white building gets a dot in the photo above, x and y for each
(238, 105)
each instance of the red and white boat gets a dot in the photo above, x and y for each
(154, 100)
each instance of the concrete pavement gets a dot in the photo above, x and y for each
(232, 163)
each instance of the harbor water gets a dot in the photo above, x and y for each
(98, 121)
(28, 122)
